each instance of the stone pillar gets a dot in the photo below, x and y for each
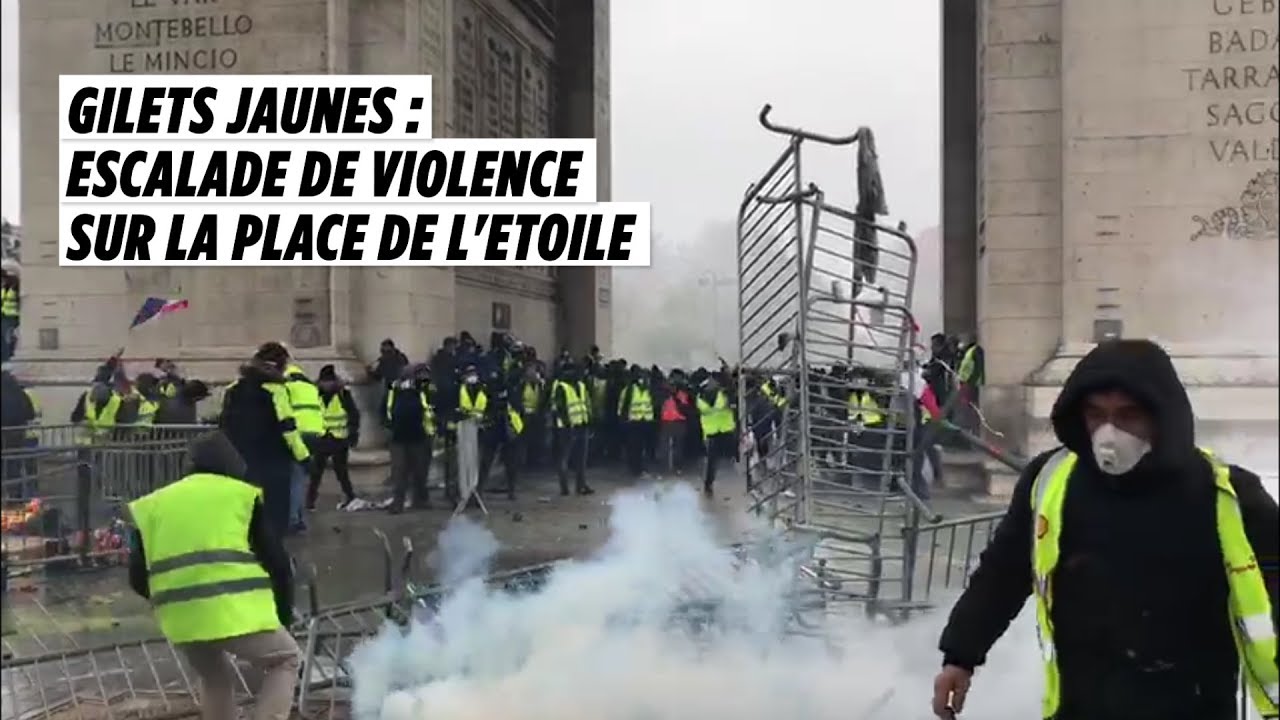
(959, 165)
(582, 110)
(1169, 206)
(74, 318)
(1020, 227)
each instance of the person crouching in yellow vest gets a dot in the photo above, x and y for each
(218, 580)
(1151, 562)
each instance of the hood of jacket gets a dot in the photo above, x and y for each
(261, 372)
(214, 453)
(100, 394)
(1145, 372)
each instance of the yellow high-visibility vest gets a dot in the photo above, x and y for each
(531, 397)
(772, 395)
(205, 582)
(715, 418)
(1249, 604)
(304, 398)
(9, 303)
(473, 402)
(863, 406)
(575, 400)
(101, 420)
(335, 417)
(641, 409)
(146, 412)
(33, 433)
(283, 406)
(428, 412)
(968, 364)
(515, 422)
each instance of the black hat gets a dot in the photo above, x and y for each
(328, 372)
(272, 352)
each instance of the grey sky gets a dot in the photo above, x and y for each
(689, 77)
(9, 141)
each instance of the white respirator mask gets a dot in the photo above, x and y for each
(1117, 452)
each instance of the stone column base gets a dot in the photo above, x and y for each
(1235, 398)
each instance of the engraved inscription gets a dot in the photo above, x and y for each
(145, 40)
(1241, 111)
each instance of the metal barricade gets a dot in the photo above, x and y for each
(62, 497)
(824, 305)
(54, 675)
(469, 465)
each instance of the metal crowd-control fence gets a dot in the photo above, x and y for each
(51, 675)
(62, 496)
(824, 306)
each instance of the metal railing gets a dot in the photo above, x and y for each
(62, 496)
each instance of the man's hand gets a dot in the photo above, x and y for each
(353, 440)
(950, 688)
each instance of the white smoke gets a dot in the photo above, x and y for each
(598, 641)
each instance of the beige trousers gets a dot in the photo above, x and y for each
(274, 653)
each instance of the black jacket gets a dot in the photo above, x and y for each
(406, 422)
(389, 366)
(250, 420)
(1140, 595)
(216, 455)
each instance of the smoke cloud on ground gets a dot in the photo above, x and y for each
(611, 638)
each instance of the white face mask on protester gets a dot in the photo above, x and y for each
(1116, 451)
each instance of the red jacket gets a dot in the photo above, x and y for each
(929, 402)
(671, 406)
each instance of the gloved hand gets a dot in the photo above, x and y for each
(353, 440)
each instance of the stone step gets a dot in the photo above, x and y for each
(963, 472)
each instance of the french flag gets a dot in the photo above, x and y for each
(154, 307)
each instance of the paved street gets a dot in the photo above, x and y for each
(346, 554)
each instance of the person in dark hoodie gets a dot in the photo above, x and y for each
(1149, 559)
(500, 438)
(17, 412)
(341, 433)
(411, 425)
(258, 419)
(218, 579)
(181, 409)
(391, 362)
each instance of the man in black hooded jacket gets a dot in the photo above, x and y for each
(1140, 618)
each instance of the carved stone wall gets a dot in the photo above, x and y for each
(91, 308)
(502, 88)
